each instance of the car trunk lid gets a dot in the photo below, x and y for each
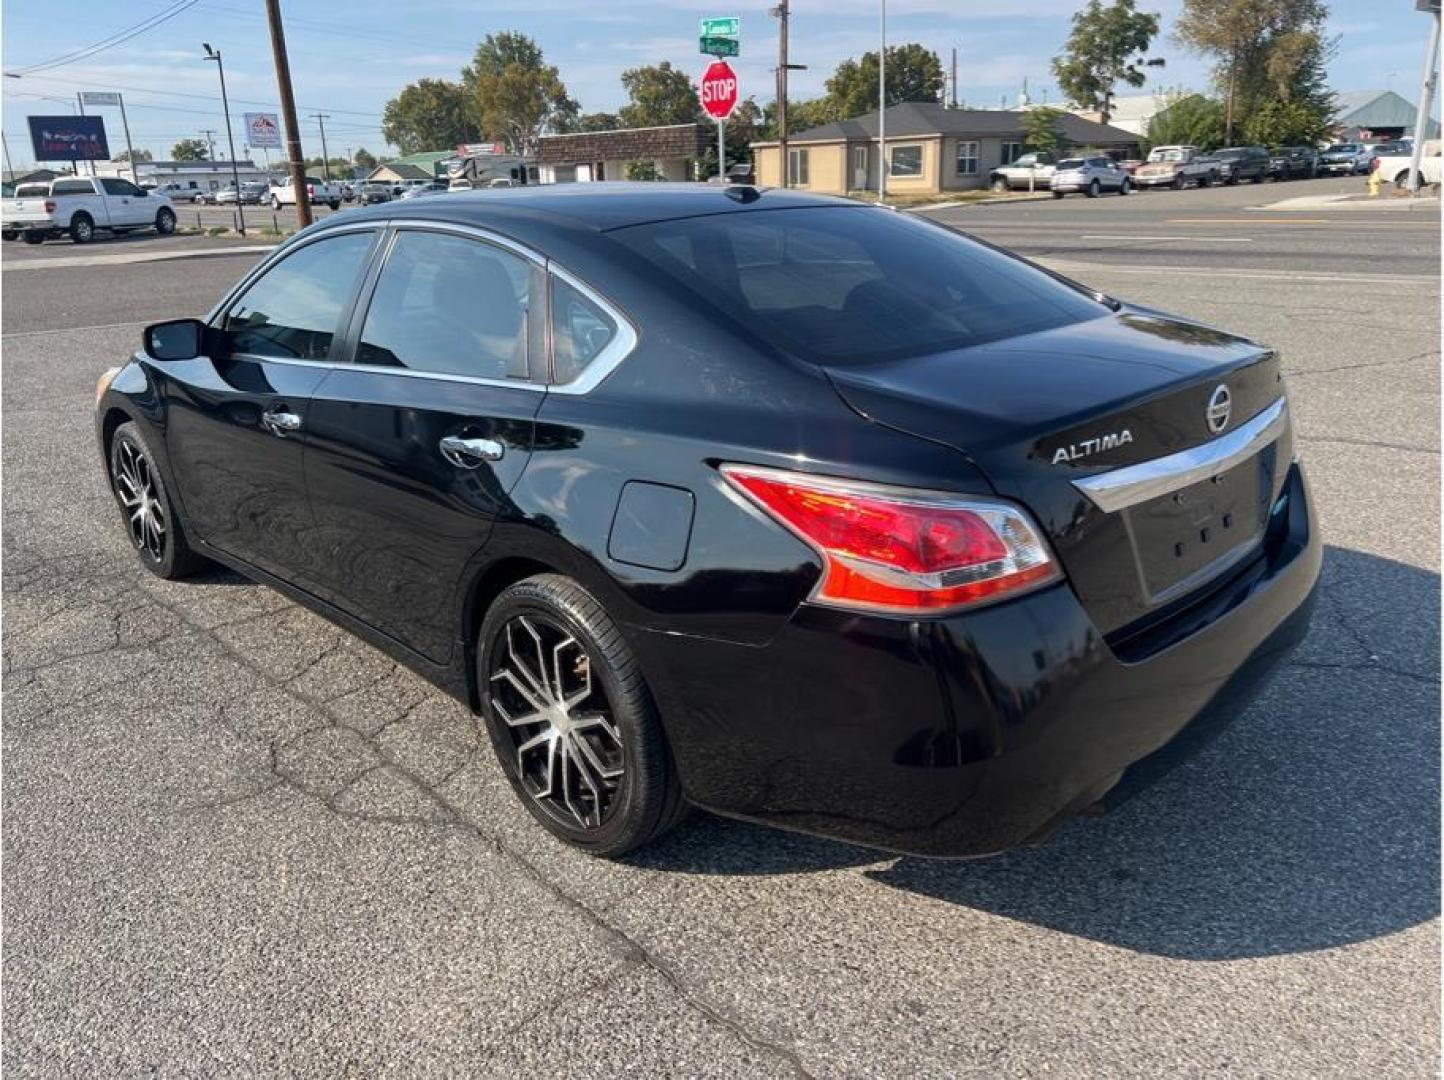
(1038, 412)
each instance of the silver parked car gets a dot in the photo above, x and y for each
(1091, 176)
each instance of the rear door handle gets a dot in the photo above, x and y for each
(279, 420)
(470, 453)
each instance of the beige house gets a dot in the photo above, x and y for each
(931, 149)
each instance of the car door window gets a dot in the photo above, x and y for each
(293, 309)
(450, 305)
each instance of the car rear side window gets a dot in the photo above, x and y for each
(845, 284)
(293, 309)
(450, 305)
(581, 330)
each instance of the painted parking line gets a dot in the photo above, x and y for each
(1079, 268)
(1190, 239)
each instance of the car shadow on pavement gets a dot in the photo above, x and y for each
(1313, 822)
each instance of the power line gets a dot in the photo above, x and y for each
(118, 38)
(186, 94)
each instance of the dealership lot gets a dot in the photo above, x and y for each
(237, 839)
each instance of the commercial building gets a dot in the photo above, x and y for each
(931, 149)
(1377, 114)
(606, 155)
(179, 177)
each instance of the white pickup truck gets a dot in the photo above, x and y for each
(1395, 168)
(284, 194)
(81, 206)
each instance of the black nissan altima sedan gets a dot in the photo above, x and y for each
(800, 510)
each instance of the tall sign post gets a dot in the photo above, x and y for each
(719, 38)
(108, 97)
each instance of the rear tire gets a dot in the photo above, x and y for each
(165, 221)
(1093, 189)
(604, 781)
(151, 519)
(34, 238)
(9, 234)
(82, 229)
(1178, 181)
(334, 204)
(1058, 194)
(1125, 187)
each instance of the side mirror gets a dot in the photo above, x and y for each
(179, 339)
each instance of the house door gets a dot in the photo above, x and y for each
(859, 168)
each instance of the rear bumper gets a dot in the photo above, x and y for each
(1153, 181)
(969, 734)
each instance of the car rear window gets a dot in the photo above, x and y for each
(853, 284)
(31, 191)
(1070, 163)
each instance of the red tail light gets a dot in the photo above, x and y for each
(902, 550)
(311, 190)
(50, 206)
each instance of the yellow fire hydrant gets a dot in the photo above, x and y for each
(1376, 181)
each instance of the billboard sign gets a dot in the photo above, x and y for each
(99, 97)
(263, 131)
(68, 138)
(476, 149)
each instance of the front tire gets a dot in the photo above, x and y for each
(1058, 194)
(165, 221)
(572, 721)
(334, 204)
(999, 184)
(10, 234)
(82, 229)
(1093, 189)
(1125, 187)
(34, 238)
(150, 517)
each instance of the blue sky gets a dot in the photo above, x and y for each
(348, 58)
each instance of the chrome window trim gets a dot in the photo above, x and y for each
(617, 350)
(1121, 488)
(606, 361)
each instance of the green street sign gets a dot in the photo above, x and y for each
(727, 27)
(719, 46)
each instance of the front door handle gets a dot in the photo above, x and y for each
(470, 453)
(279, 420)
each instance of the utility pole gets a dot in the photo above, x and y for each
(288, 113)
(783, 13)
(81, 103)
(321, 119)
(882, 104)
(210, 135)
(1426, 94)
(9, 168)
(955, 77)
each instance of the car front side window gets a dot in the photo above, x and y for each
(292, 310)
(451, 305)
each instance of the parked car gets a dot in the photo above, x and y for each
(373, 191)
(82, 206)
(1236, 164)
(205, 198)
(1395, 168)
(1346, 158)
(1031, 171)
(319, 191)
(416, 191)
(1091, 176)
(1175, 167)
(348, 191)
(959, 544)
(1402, 148)
(1293, 163)
(459, 183)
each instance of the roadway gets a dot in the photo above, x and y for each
(238, 840)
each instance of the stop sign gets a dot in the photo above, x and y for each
(719, 90)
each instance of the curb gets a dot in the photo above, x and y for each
(70, 262)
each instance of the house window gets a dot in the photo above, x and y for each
(797, 166)
(905, 161)
(967, 158)
(1012, 151)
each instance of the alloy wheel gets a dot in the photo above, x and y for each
(559, 723)
(136, 488)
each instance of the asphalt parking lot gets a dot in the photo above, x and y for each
(237, 840)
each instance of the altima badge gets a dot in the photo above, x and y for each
(1220, 404)
(1074, 451)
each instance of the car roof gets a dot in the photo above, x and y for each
(601, 206)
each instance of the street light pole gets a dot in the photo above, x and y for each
(882, 105)
(215, 54)
(1426, 94)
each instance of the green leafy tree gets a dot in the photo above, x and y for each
(597, 121)
(190, 150)
(1253, 44)
(140, 155)
(1107, 46)
(1187, 120)
(643, 170)
(365, 159)
(515, 94)
(913, 74)
(659, 95)
(744, 127)
(432, 114)
(1040, 130)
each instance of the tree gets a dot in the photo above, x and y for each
(432, 114)
(659, 95)
(1040, 130)
(597, 121)
(1248, 38)
(643, 170)
(913, 74)
(515, 95)
(744, 127)
(190, 150)
(1187, 120)
(140, 155)
(1106, 46)
(365, 159)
